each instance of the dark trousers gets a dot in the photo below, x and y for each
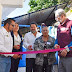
(14, 64)
(45, 67)
(65, 64)
(30, 64)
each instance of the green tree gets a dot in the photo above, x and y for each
(40, 4)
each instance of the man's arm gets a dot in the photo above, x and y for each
(2, 47)
(25, 41)
(56, 44)
(56, 41)
(70, 44)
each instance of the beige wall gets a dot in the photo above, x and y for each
(12, 3)
(9, 4)
(0, 14)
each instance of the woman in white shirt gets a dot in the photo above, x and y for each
(17, 47)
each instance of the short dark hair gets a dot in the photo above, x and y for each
(43, 25)
(33, 23)
(9, 20)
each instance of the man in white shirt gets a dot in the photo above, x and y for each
(29, 39)
(6, 45)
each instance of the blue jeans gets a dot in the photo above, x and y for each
(5, 64)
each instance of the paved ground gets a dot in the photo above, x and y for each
(23, 69)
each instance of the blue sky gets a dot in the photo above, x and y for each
(20, 11)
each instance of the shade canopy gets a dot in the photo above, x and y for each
(41, 16)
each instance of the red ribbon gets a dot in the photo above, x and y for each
(33, 52)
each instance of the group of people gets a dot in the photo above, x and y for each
(11, 41)
(34, 41)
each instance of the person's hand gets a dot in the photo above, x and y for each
(70, 47)
(64, 52)
(46, 52)
(17, 47)
(15, 56)
(67, 48)
(21, 56)
(57, 46)
(30, 47)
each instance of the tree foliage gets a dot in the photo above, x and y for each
(40, 4)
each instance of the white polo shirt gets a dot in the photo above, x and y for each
(29, 39)
(6, 42)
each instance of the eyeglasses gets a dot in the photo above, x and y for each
(13, 25)
(57, 17)
(44, 30)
